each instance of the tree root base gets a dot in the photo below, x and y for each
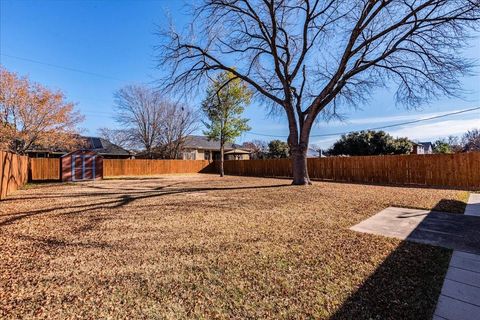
(302, 183)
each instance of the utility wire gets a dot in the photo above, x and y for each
(62, 67)
(252, 133)
(375, 128)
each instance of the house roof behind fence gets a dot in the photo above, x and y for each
(99, 145)
(426, 145)
(202, 142)
(103, 146)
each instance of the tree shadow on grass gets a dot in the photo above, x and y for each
(107, 193)
(444, 205)
(390, 185)
(122, 199)
(405, 286)
(55, 243)
(450, 205)
(136, 178)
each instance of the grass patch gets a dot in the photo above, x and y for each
(36, 185)
(199, 246)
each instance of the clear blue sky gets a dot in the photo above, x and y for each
(116, 39)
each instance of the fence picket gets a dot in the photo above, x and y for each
(13, 172)
(144, 167)
(441, 170)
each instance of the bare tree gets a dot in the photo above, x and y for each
(120, 137)
(455, 144)
(317, 149)
(258, 148)
(309, 57)
(152, 122)
(471, 140)
(178, 121)
(139, 110)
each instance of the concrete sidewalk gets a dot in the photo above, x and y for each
(473, 206)
(460, 295)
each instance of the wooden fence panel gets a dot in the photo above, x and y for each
(13, 172)
(454, 170)
(440, 170)
(145, 167)
(44, 169)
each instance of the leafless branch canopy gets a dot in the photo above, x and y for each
(306, 56)
(151, 122)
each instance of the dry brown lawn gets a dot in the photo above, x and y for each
(178, 247)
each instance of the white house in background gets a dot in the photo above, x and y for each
(201, 148)
(422, 148)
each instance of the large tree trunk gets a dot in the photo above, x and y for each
(298, 144)
(298, 155)
(222, 173)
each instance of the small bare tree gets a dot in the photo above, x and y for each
(178, 122)
(317, 149)
(120, 137)
(308, 57)
(471, 140)
(258, 148)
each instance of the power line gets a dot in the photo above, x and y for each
(252, 133)
(336, 133)
(62, 67)
(265, 135)
(375, 128)
(426, 119)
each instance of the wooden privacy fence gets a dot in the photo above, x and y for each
(449, 170)
(442, 170)
(141, 167)
(44, 169)
(13, 172)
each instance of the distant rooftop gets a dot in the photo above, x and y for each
(99, 145)
(425, 145)
(202, 142)
(104, 147)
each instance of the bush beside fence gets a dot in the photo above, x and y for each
(13, 172)
(141, 167)
(437, 170)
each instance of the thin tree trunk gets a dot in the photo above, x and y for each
(222, 173)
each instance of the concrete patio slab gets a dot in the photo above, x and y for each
(453, 231)
(460, 295)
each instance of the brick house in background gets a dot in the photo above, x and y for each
(201, 148)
